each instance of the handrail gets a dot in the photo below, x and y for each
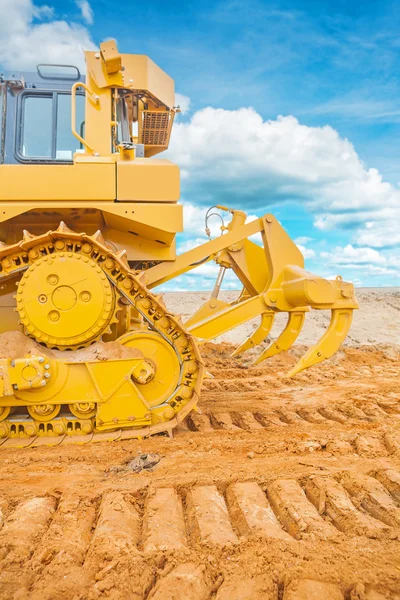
(95, 98)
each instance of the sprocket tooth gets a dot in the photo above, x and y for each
(160, 299)
(123, 257)
(27, 236)
(98, 237)
(329, 343)
(63, 228)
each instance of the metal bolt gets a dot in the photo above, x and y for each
(97, 55)
(41, 359)
(47, 375)
(47, 366)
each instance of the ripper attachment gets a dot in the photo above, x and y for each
(274, 280)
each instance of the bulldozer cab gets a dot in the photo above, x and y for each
(85, 146)
(35, 119)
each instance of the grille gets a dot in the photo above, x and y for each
(155, 128)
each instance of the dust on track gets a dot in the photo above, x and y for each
(280, 488)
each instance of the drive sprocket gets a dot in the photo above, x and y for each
(65, 301)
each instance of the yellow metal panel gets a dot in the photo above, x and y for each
(98, 126)
(139, 248)
(148, 179)
(57, 182)
(151, 221)
(140, 73)
(145, 230)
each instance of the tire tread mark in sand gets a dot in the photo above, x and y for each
(298, 516)
(187, 580)
(208, 517)
(117, 531)
(251, 513)
(392, 441)
(370, 446)
(270, 419)
(332, 414)
(372, 496)
(223, 420)
(290, 417)
(63, 540)
(200, 422)
(246, 420)
(391, 480)
(311, 415)
(163, 522)
(24, 525)
(333, 502)
(320, 415)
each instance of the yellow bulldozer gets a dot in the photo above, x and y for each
(88, 223)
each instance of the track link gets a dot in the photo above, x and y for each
(18, 258)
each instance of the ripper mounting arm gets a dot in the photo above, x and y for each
(274, 280)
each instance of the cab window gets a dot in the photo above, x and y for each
(45, 133)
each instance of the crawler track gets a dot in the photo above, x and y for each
(24, 257)
(280, 489)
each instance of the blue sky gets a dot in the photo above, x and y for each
(328, 168)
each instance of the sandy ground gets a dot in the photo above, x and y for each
(283, 489)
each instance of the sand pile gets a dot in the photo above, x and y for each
(14, 344)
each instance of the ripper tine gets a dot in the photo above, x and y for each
(259, 335)
(329, 343)
(286, 339)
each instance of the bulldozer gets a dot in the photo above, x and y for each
(89, 217)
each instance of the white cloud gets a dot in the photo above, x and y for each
(351, 255)
(25, 43)
(183, 102)
(86, 10)
(306, 252)
(367, 260)
(303, 239)
(235, 156)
